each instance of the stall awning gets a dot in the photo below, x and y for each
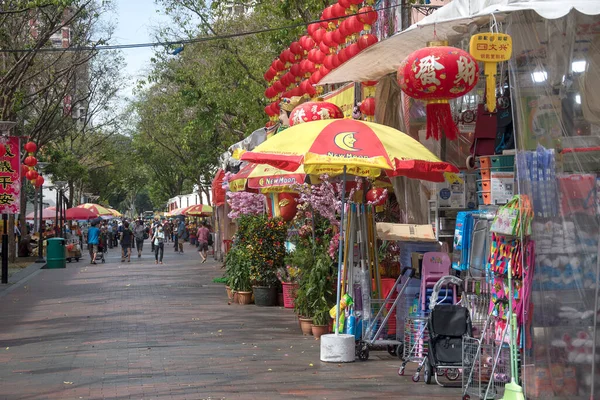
(449, 22)
(218, 193)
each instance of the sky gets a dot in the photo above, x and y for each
(135, 20)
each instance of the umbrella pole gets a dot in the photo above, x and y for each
(340, 255)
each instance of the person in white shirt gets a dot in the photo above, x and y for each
(158, 239)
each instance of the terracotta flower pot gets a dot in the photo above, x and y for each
(318, 330)
(229, 293)
(236, 297)
(306, 326)
(244, 297)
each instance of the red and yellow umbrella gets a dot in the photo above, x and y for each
(96, 209)
(199, 210)
(265, 179)
(363, 148)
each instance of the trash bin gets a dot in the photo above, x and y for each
(56, 253)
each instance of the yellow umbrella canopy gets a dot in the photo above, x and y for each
(364, 148)
(200, 210)
(265, 179)
(114, 212)
(96, 209)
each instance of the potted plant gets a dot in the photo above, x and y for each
(288, 277)
(320, 294)
(238, 275)
(320, 325)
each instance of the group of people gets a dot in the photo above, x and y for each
(131, 235)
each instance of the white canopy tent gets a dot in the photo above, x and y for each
(449, 22)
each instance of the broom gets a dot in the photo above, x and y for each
(512, 390)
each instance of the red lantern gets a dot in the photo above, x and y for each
(326, 15)
(352, 50)
(324, 71)
(24, 170)
(31, 174)
(307, 88)
(269, 111)
(315, 78)
(367, 15)
(377, 196)
(278, 86)
(275, 107)
(329, 61)
(312, 28)
(325, 49)
(287, 56)
(30, 147)
(316, 56)
(30, 161)
(296, 49)
(278, 65)
(288, 206)
(338, 37)
(367, 41)
(39, 181)
(356, 2)
(329, 40)
(315, 111)
(307, 43)
(355, 25)
(345, 3)
(296, 69)
(367, 107)
(308, 67)
(338, 11)
(319, 34)
(342, 56)
(437, 74)
(345, 28)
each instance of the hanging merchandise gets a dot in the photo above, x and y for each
(514, 218)
(462, 240)
(537, 174)
(437, 74)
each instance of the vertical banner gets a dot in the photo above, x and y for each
(343, 98)
(10, 175)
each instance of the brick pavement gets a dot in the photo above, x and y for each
(141, 331)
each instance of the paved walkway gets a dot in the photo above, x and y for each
(142, 331)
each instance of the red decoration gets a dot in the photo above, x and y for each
(308, 67)
(367, 40)
(319, 34)
(296, 48)
(338, 37)
(367, 15)
(436, 74)
(270, 74)
(308, 88)
(324, 71)
(312, 28)
(30, 161)
(377, 196)
(316, 56)
(2, 151)
(329, 40)
(367, 107)
(355, 25)
(343, 56)
(338, 11)
(30, 147)
(369, 83)
(315, 111)
(278, 86)
(326, 15)
(352, 50)
(31, 174)
(345, 3)
(278, 65)
(296, 69)
(325, 49)
(288, 206)
(39, 181)
(307, 43)
(345, 28)
(329, 61)
(315, 78)
(24, 170)
(287, 56)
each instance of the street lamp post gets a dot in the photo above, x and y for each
(40, 259)
(5, 127)
(59, 186)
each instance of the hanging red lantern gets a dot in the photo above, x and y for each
(342, 56)
(296, 49)
(437, 74)
(329, 40)
(338, 37)
(30, 161)
(345, 3)
(367, 15)
(356, 2)
(319, 34)
(316, 56)
(354, 24)
(326, 16)
(278, 86)
(307, 43)
(367, 107)
(278, 65)
(315, 111)
(345, 28)
(367, 41)
(324, 71)
(352, 50)
(31, 174)
(24, 170)
(269, 111)
(311, 28)
(315, 78)
(275, 107)
(30, 147)
(377, 197)
(325, 49)
(308, 67)
(39, 181)
(307, 88)
(296, 69)
(288, 206)
(338, 11)
(329, 61)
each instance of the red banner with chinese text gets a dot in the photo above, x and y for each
(10, 175)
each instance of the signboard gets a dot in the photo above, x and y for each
(343, 98)
(502, 184)
(10, 175)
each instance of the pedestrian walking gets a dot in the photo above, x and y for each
(126, 242)
(181, 233)
(93, 239)
(159, 244)
(168, 231)
(140, 234)
(203, 237)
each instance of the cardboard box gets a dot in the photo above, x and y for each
(405, 232)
